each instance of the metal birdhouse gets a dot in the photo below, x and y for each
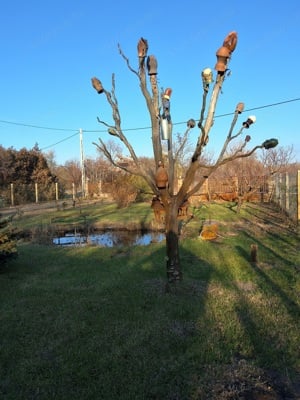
(270, 143)
(250, 120)
(164, 125)
(191, 123)
(166, 128)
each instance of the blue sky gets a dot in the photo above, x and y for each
(51, 49)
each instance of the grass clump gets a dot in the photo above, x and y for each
(91, 322)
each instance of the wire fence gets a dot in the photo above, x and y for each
(286, 194)
(282, 189)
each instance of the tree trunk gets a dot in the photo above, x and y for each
(174, 273)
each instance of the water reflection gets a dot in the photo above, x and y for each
(112, 239)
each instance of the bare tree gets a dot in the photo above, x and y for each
(162, 181)
(277, 160)
(70, 174)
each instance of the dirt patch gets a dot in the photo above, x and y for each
(241, 380)
(268, 218)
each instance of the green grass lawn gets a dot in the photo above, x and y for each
(98, 323)
(95, 215)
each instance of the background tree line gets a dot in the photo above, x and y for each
(26, 167)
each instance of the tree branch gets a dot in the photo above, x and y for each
(127, 61)
(230, 137)
(182, 144)
(107, 153)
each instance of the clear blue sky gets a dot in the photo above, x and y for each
(51, 49)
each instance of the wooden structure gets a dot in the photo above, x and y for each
(159, 210)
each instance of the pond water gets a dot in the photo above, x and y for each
(112, 239)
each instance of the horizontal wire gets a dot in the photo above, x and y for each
(130, 129)
(37, 126)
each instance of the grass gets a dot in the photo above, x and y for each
(96, 214)
(97, 323)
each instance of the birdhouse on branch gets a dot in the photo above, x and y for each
(158, 209)
(152, 65)
(161, 177)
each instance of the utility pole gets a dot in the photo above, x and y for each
(82, 164)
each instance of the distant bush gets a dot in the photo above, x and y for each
(123, 190)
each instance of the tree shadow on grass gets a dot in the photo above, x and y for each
(100, 322)
(271, 352)
(264, 271)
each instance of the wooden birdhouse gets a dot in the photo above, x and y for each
(183, 210)
(223, 55)
(158, 209)
(152, 65)
(97, 85)
(161, 177)
(142, 48)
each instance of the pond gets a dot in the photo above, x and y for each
(113, 238)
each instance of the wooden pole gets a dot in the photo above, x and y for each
(253, 253)
(36, 193)
(12, 197)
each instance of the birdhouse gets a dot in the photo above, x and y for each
(270, 143)
(158, 209)
(161, 177)
(97, 85)
(166, 106)
(191, 123)
(207, 76)
(250, 120)
(223, 55)
(142, 48)
(165, 129)
(239, 108)
(167, 93)
(230, 41)
(183, 210)
(152, 65)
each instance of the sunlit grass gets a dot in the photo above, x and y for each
(90, 322)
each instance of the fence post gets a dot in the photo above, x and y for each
(298, 195)
(287, 192)
(56, 191)
(36, 193)
(280, 191)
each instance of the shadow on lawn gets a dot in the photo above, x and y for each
(271, 347)
(113, 330)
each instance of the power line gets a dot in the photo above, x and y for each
(260, 107)
(141, 128)
(216, 116)
(131, 129)
(36, 126)
(63, 140)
